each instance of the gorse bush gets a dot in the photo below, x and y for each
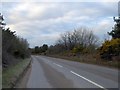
(110, 48)
(78, 49)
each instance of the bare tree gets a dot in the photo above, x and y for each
(81, 36)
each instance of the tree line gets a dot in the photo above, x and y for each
(14, 48)
(81, 40)
(39, 50)
(84, 41)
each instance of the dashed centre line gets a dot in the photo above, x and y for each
(58, 65)
(83, 78)
(88, 80)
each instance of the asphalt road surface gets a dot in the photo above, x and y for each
(47, 72)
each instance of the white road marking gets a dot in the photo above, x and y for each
(58, 65)
(88, 80)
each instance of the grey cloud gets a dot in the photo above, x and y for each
(43, 22)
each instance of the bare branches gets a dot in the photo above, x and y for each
(82, 36)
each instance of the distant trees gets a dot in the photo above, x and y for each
(111, 48)
(77, 41)
(13, 47)
(44, 47)
(39, 50)
(36, 49)
(56, 49)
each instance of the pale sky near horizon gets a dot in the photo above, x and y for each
(43, 22)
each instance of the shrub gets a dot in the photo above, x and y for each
(110, 48)
(13, 48)
(78, 49)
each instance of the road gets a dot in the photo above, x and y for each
(48, 72)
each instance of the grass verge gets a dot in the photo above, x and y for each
(10, 76)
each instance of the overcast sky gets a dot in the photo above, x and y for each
(43, 22)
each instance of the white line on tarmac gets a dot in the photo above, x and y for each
(58, 65)
(88, 80)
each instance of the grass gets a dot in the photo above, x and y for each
(10, 75)
(90, 59)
